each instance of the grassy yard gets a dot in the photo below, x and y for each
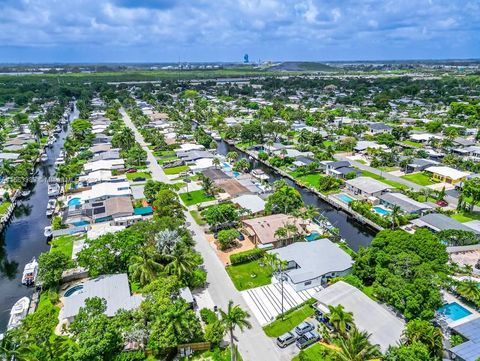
(3, 207)
(292, 319)
(347, 249)
(315, 352)
(165, 159)
(195, 197)
(216, 354)
(63, 244)
(419, 178)
(198, 218)
(394, 184)
(311, 179)
(412, 144)
(327, 143)
(241, 275)
(131, 176)
(466, 216)
(176, 170)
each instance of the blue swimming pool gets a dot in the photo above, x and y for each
(382, 211)
(73, 290)
(454, 311)
(226, 165)
(236, 174)
(74, 202)
(312, 236)
(345, 198)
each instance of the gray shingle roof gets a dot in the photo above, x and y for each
(470, 350)
(440, 222)
(405, 203)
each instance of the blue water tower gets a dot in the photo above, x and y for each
(245, 59)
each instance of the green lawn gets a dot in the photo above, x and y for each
(311, 179)
(195, 197)
(316, 352)
(131, 176)
(326, 143)
(3, 207)
(198, 218)
(63, 244)
(419, 178)
(466, 216)
(166, 159)
(347, 249)
(216, 354)
(241, 275)
(412, 144)
(176, 170)
(394, 184)
(292, 319)
(361, 161)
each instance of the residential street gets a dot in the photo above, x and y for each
(253, 344)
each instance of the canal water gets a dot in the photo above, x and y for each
(23, 238)
(355, 233)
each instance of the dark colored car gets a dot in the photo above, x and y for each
(131, 170)
(442, 203)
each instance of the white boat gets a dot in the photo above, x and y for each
(216, 136)
(48, 231)
(44, 157)
(53, 189)
(59, 161)
(30, 273)
(49, 212)
(260, 174)
(18, 312)
(25, 193)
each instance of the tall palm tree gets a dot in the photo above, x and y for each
(144, 268)
(340, 319)
(181, 262)
(234, 317)
(216, 162)
(286, 232)
(395, 216)
(36, 129)
(166, 241)
(232, 156)
(309, 212)
(470, 290)
(6, 168)
(356, 347)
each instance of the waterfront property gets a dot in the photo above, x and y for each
(312, 264)
(406, 204)
(470, 349)
(385, 328)
(437, 222)
(367, 187)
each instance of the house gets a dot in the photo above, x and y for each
(312, 264)
(99, 211)
(446, 174)
(423, 137)
(437, 222)
(384, 327)
(110, 164)
(191, 146)
(189, 157)
(108, 155)
(261, 231)
(406, 204)
(252, 202)
(419, 165)
(114, 289)
(468, 350)
(367, 187)
(214, 174)
(471, 152)
(339, 169)
(231, 186)
(302, 161)
(100, 148)
(9, 156)
(463, 142)
(100, 176)
(363, 145)
(101, 139)
(101, 191)
(378, 128)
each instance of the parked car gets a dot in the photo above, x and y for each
(304, 327)
(241, 237)
(286, 339)
(139, 179)
(307, 339)
(442, 203)
(131, 170)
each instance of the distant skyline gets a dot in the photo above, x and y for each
(149, 31)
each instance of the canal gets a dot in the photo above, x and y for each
(23, 238)
(355, 233)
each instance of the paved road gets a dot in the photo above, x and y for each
(252, 343)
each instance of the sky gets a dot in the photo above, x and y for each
(224, 30)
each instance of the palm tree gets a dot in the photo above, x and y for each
(216, 162)
(356, 347)
(36, 129)
(6, 168)
(395, 216)
(208, 186)
(234, 317)
(232, 156)
(181, 262)
(340, 319)
(469, 289)
(166, 241)
(286, 232)
(144, 268)
(309, 212)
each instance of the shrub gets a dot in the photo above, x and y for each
(208, 316)
(227, 238)
(247, 256)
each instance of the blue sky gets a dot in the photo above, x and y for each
(224, 30)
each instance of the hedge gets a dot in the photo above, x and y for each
(247, 256)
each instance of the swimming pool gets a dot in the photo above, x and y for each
(345, 198)
(74, 202)
(312, 236)
(236, 174)
(73, 290)
(226, 165)
(454, 311)
(381, 211)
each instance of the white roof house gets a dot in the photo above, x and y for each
(109, 164)
(367, 186)
(113, 288)
(103, 191)
(385, 328)
(191, 146)
(447, 172)
(252, 202)
(96, 177)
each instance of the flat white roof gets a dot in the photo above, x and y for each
(107, 189)
(251, 202)
(447, 172)
(103, 164)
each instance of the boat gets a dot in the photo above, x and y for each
(25, 193)
(260, 174)
(49, 212)
(18, 313)
(53, 189)
(44, 157)
(48, 231)
(30, 273)
(216, 136)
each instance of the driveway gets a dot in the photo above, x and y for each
(253, 344)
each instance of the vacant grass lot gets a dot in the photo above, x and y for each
(241, 275)
(176, 170)
(292, 319)
(131, 176)
(382, 179)
(195, 197)
(419, 178)
(63, 244)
